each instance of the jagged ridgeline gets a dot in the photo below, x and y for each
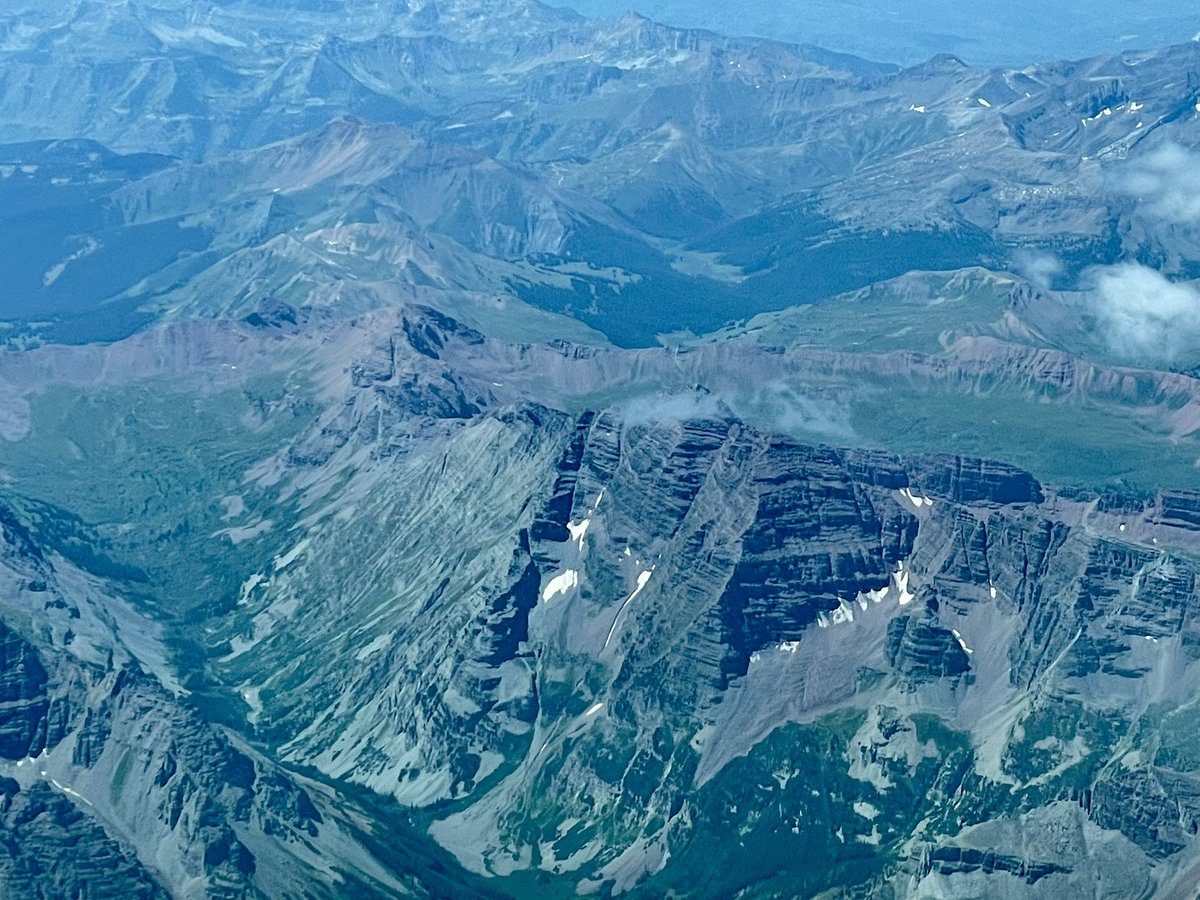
(442, 618)
(470, 450)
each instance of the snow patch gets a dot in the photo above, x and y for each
(900, 578)
(560, 584)
(958, 637)
(282, 562)
(642, 579)
(641, 582)
(248, 587)
(578, 532)
(380, 643)
(69, 791)
(866, 810)
(917, 501)
(845, 610)
(595, 708)
(90, 246)
(983, 103)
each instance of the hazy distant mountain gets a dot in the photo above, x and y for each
(739, 175)
(1015, 35)
(466, 449)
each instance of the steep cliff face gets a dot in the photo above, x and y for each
(51, 849)
(589, 621)
(589, 642)
(26, 706)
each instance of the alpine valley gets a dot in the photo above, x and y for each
(466, 449)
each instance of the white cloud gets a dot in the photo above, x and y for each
(1166, 184)
(1144, 316)
(1038, 267)
(696, 404)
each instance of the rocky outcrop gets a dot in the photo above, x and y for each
(112, 785)
(975, 481)
(1180, 509)
(49, 849)
(920, 649)
(1157, 810)
(627, 615)
(953, 860)
(26, 725)
(818, 537)
(550, 524)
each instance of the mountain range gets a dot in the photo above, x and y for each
(467, 449)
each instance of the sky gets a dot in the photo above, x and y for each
(981, 32)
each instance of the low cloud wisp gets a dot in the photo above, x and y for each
(1039, 268)
(1165, 183)
(1143, 315)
